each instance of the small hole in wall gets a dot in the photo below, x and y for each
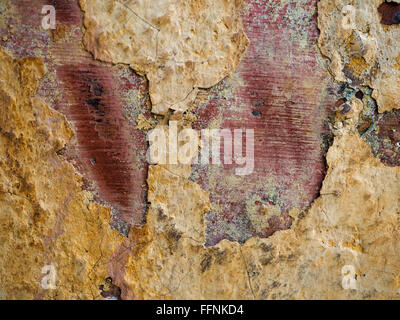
(390, 13)
(110, 291)
(346, 108)
(360, 95)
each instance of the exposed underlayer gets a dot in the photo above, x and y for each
(350, 234)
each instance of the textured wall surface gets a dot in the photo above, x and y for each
(316, 80)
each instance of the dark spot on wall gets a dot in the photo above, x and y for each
(61, 152)
(110, 291)
(390, 13)
(359, 95)
(259, 105)
(340, 102)
(346, 108)
(206, 262)
(220, 257)
(174, 235)
(266, 247)
(364, 125)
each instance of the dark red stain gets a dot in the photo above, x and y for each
(109, 150)
(390, 13)
(106, 146)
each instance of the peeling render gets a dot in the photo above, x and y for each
(180, 46)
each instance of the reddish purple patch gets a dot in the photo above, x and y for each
(109, 151)
(285, 97)
(106, 141)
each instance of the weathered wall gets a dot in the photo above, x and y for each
(309, 243)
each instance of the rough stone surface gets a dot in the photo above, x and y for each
(360, 48)
(344, 246)
(353, 223)
(46, 218)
